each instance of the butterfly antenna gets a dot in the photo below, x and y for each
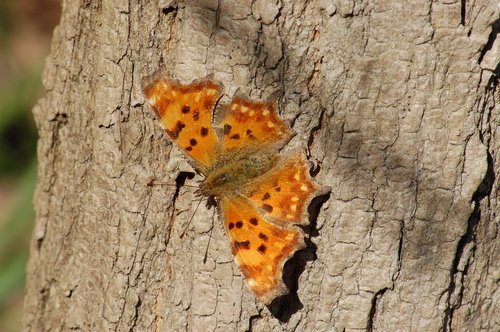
(189, 186)
(152, 184)
(190, 219)
(208, 244)
(209, 238)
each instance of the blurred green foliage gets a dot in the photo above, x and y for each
(17, 132)
(18, 175)
(14, 235)
(19, 90)
(5, 21)
(25, 30)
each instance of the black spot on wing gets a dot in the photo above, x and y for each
(177, 130)
(267, 208)
(242, 245)
(250, 134)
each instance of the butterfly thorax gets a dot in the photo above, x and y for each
(234, 171)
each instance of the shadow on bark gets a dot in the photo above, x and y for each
(285, 306)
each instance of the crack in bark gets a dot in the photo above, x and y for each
(373, 309)
(169, 7)
(483, 191)
(251, 320)
(400, 249)
(312, 134)
(469, 238)
(463, 5)
(495, 29)
(135, 319)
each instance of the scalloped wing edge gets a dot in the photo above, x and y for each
(272, 98)
(281, 289)
(320, 191)
(163, 74)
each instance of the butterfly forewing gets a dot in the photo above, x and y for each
(247, 122)
(185, 112)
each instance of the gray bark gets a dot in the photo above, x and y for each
(396, 103)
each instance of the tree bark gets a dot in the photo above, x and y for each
(396, 104)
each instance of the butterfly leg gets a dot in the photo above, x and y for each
(190, 219)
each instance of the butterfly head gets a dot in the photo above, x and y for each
(217, 183)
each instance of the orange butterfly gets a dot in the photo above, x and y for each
(261, 195)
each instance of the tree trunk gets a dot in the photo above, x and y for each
(396, 105)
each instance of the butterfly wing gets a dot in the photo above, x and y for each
(260, 221)
(246, 122)
(186, 114)
(259, 247)
(284, 193)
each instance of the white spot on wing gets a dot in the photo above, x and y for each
(152, 100)
(251, 282)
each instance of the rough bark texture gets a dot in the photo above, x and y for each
(395, 102)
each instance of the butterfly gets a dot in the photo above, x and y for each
(261, 195)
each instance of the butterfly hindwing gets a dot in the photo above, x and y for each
(260, 248)
(284, 193)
